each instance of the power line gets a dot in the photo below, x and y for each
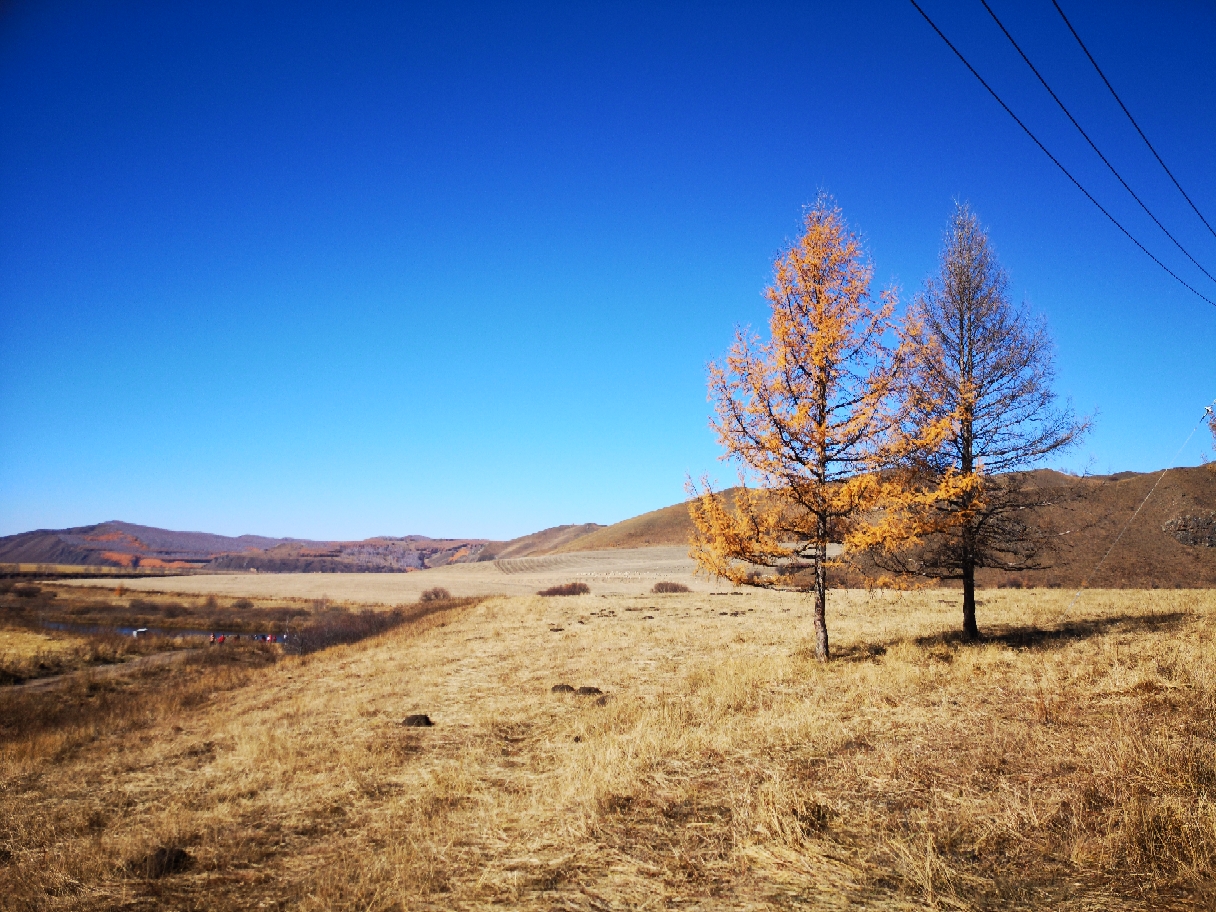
(1068, 114)
(1132, 119)
(1056, 161)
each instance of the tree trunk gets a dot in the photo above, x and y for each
(970, 630)
(967, 431)
(821, 601)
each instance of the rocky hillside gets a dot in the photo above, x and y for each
(121, 544)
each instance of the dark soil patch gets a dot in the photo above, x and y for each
(163, 862)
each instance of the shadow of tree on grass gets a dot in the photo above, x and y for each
(1026, 636)
(1030, 636)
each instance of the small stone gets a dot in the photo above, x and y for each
(418, 720)
(562, 689)
(588, 691)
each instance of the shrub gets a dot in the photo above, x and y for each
(437, 594)
(567, 589)
(669, 587)
(242, 604)
(338, 627)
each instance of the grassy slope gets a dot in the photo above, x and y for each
(1093, 515)
(668, 526)
(544, 542)
(1147, 555)
(1067, 763)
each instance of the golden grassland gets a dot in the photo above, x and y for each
(29, 655)
(618, 572)
(1067, 762)
(24, 644)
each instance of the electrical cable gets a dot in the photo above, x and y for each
(1132, 119)
(1057, 163)
(1092, 145)
(1098, 566)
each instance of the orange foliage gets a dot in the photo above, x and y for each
(808, 413)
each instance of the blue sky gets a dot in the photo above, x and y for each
(341, 270)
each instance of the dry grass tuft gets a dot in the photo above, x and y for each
(1067, 762)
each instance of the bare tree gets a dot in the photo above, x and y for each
(980, 387)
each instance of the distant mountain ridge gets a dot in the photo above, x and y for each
(1170, 542)
(123, 544)
(129, 545)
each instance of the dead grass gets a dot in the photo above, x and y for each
(1068, 762)
(20, 644)
(41, 656)
(84, 608)
(614, 572)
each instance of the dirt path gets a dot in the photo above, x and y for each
(103, 671)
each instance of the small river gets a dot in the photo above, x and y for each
(150, 631)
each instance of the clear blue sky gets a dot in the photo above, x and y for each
(351, 269)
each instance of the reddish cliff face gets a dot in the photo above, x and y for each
(118, 544)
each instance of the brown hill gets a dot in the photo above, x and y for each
(121, 544)
(544, 542)
(1170, 543)
(135, 547)
(668, 526)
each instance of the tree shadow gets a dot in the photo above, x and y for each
(1020, 636)
(861, 652)
(1033, 637)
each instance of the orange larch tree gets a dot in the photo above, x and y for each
(803, 414)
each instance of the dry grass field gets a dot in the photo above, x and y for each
(617, 572)
(31, 655)
(1068, 762)
(26, 644)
